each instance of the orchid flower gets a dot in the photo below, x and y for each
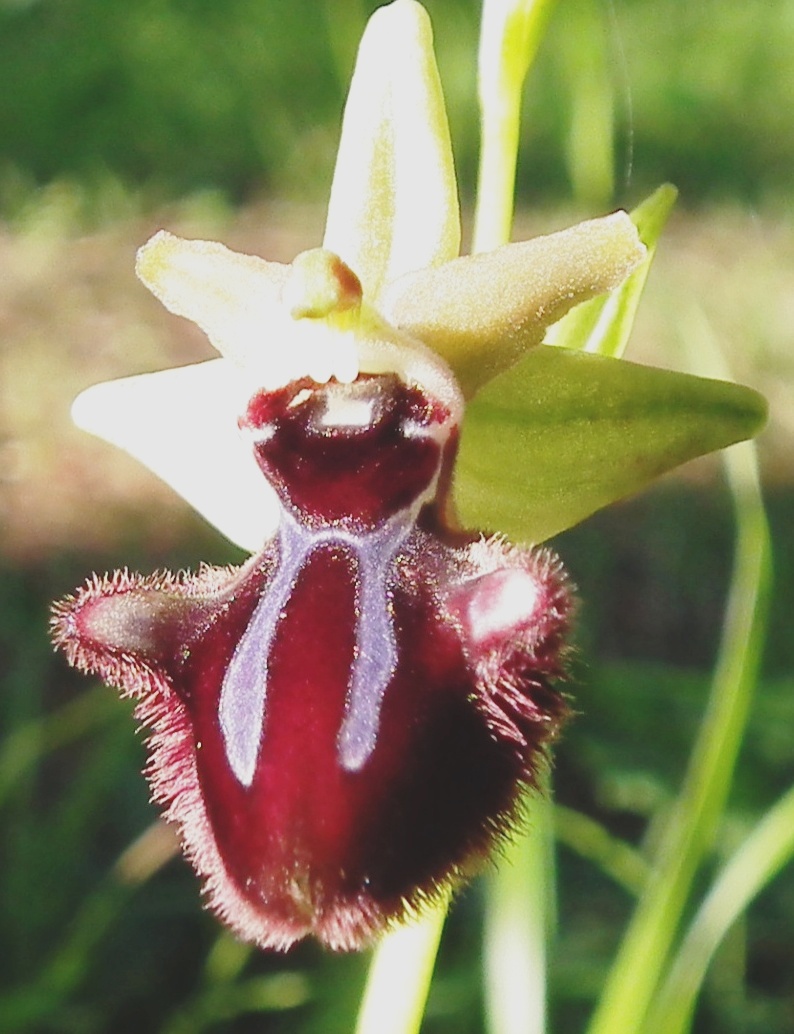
(343, 726)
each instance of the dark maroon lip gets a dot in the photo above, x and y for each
(359, 475)
(343, 726)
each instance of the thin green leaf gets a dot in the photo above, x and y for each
(400, 974)
(565, 433)
(604, 324)
(763, 854)
(632, 986)
(27, 745)
(613, 856)
(274, 992)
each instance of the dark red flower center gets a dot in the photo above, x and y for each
(350, 454)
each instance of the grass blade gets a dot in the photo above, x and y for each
(639, 966)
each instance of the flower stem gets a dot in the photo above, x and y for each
(768, 847)
(519, 897)
(399, 976)
(511, 32)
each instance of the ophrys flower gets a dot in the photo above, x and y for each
(343, 725)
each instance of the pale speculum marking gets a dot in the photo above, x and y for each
(242, 705)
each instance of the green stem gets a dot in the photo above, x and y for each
(590, 140)
(511, 33)
(519, 902)
(399, 976)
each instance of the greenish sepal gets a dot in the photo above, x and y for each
(565, 433)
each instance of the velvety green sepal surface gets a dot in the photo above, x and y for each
(566, 433)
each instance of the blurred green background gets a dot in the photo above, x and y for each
(222, 120)
(245, 96)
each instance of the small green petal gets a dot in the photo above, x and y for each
(604, 324)
(483, 311)
(567, 433)
(394, 205)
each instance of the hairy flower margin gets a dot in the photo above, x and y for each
(342, 726)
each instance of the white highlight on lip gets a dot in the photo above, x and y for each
(299, 398)
(347, 412)
(505, 600)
